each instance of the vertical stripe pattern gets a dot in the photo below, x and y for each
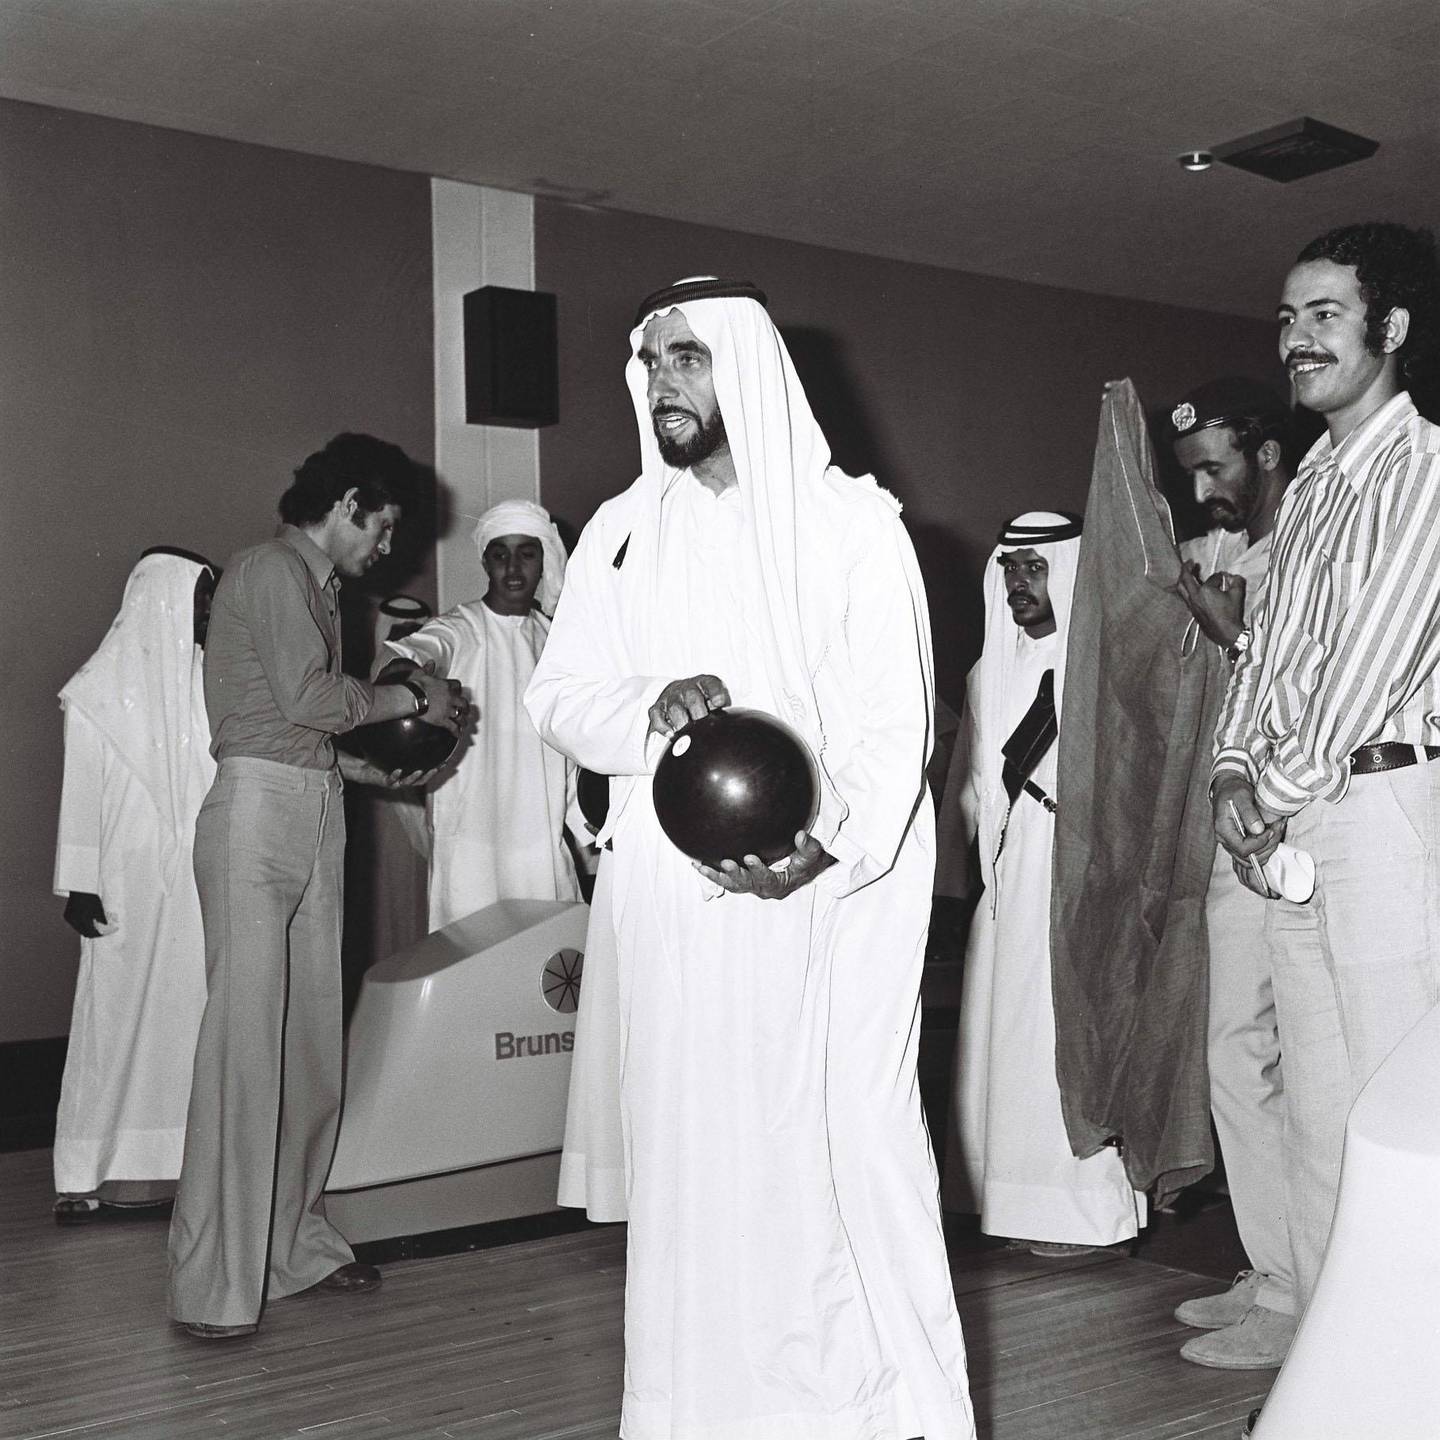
(1345, 642)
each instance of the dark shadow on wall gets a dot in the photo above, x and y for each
(836, 400)
(950, 572)
(385, 872)
(569, 535)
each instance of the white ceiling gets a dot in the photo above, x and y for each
(1028, 138)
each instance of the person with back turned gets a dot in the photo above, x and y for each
(137, 766)
(249, 1223)
(787, 1276)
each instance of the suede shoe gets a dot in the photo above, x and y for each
(202, 1331)
(1258, 1342)
(351, 1278)
(1215, 1312)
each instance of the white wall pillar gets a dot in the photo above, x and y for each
(480, 236)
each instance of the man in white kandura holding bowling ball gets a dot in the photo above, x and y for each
(787, 1274)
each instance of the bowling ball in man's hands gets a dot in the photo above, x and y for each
(736, 783)
(406, 743)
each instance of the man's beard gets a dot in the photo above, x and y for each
(704, 441)
(1235, 515)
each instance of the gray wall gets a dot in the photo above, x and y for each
(182, 320)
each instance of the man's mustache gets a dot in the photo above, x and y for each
(1299, 357)
(660, 411)
(1020, 597)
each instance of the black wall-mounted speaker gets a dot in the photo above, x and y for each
(512, 361)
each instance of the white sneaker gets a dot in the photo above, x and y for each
(1214, 1312)
(1259, 1342)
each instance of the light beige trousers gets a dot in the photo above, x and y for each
(249, 1220)
(1247, 1087)
(1354, 970)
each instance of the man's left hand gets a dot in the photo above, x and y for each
(753, 876)
(363, 772)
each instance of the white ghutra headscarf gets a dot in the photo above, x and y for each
(525, 517)
(142, 691)
(1012, 658)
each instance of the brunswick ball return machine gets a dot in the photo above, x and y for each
(457, 1065)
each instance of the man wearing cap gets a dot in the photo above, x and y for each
(1329, 732)
(1233, 438)
(787, 1277)
(498, 818)
(1011, 1161)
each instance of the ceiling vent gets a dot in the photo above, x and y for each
(1294, 150)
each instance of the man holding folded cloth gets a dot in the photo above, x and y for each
(1336, 698)
(1234, 438)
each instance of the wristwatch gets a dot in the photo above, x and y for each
(1238, 646)
(421, 703)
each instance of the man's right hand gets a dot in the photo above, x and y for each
(1218, 604)
(446, 707)
(682, 701)
(84, 914)
(1240, 824)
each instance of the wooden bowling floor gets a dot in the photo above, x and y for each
(523, 1342)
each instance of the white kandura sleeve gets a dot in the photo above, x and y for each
(882, 779)
(434, 645)
(579, 699)
(77, 850)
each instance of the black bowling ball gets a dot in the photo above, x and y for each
(736, 783)
(592, 791)
(406, 743)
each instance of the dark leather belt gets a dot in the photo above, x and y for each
(1371, 759)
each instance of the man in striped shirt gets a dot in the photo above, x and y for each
(1335, 699)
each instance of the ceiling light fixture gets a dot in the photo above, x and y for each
(1196, 160)
(1296, 150)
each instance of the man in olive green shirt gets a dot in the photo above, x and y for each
(249, 1222)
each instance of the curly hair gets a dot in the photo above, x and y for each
(380, 473)
(1396, 266)
(1250, 432)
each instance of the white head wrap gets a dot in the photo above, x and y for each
(525, 517)
(780, 457)
(998, 708)
(142, 691)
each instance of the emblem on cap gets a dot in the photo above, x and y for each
(1182, 417)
